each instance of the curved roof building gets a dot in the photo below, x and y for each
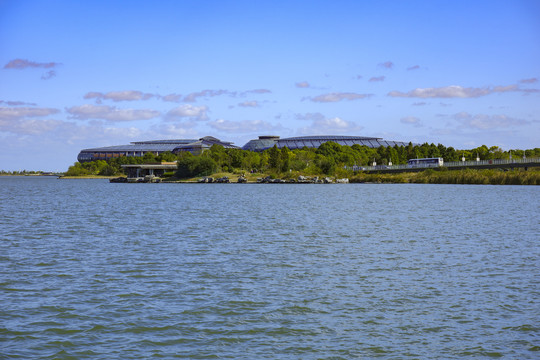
(139, 148)
(262, 143)
(266, 142)
(205, 143)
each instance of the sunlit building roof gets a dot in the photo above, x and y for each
(156, 147)
(205, 143)
(266, 142)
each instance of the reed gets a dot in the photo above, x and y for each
(468, 176)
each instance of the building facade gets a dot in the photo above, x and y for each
(196, 147)
(156, 147)
(266, 142)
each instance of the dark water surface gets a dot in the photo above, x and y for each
(92, 270)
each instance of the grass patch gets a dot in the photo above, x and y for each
(468, 176)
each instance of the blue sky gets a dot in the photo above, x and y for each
(77, 74)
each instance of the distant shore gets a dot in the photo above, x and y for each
(31, 174)
(430, 176)
(63, 177)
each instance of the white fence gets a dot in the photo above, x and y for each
(449, 164)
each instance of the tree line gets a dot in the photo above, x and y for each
(113, 166)
(329, 159)
(21, 172)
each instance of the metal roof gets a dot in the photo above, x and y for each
(153, 145)
(167, 141)
(152, 166)
(265, 142)
(329, 138)
(205, 142)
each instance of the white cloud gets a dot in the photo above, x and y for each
(411, 120)
(176, 130)
(172, 98)
(529, 81)
(110, 113)
(135, 95)
(257, 91)
(377, 79)
(245, 126)
(29, 126)
(21, 64)
(207, 93)
(48, 75)
(387, 64)
(453, 91)
(127, 95)
(249, 104)
(530, 91)
(334, 126)
(17, 103)
(7, 113)
(487, 122)
(93, 95)
(310, 116)
(302, 84)
(189, 111)
(338, 96)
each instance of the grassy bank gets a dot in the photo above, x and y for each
(469, 176)
(233, 177)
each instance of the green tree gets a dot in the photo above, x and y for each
(149, 157)
(329, 149)
(251, 160)
(235, 157)
(433, 151)
(191, 166)
(77, 170)
(217, 152)
(274, 158)
(326, 164)
(166, 156)
(108, 170)
(285, 159)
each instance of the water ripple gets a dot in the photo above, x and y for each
(120, 271)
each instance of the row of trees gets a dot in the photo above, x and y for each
(21, 172)
(113, 166)
(327, 159)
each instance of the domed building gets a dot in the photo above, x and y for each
(156, 147)
(266, 142)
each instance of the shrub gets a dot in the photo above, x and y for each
(77, 170)
(196, 166)
(108, 170)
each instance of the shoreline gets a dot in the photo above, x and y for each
(86, 177)
(473, 177)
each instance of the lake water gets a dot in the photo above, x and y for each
(92, 270)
